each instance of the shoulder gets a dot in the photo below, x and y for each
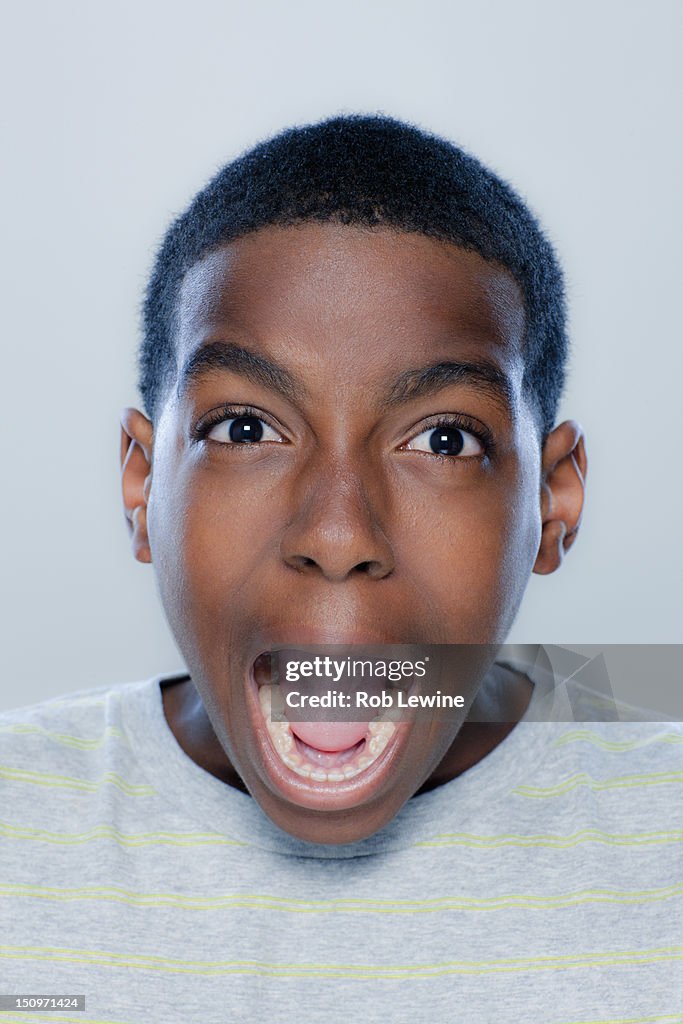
(60, 732)
(86, 703)
(593, 705)
(646, 743)
(601, 726)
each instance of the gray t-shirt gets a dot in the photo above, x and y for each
(544, 885)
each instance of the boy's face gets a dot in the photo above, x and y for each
(389, 490)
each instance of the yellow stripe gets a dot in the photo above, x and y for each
(588, 835)
(28, 1018)
(68, 782)
(445, 839)
(581, 735)
(258, 901)
(650, 1019)
(124, 839)
(79, 742)
(58, 1018)
(67, 702)
(583, 779)
(102, 958)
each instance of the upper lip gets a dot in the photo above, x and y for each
(305, 636)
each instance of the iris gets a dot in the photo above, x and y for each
(446, 441)
(246, 428)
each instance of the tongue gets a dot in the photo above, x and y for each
(330, 736)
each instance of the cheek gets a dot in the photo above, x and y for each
(474, 549)
(207, 542)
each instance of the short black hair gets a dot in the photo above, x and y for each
(375, 171)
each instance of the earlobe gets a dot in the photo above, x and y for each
(137, 436)
(563, 471)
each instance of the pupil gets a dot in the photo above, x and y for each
(446, 441)
(245, 428)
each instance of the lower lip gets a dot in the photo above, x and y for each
(312, 793)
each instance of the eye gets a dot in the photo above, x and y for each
(446, 439)
(245, 429)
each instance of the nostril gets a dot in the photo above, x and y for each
(375, 570)
(301, 562)
(370, 567)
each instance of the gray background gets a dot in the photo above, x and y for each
(113, 115)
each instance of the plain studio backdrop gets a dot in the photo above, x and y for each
(114, 115)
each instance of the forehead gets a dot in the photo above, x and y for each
(330, 289)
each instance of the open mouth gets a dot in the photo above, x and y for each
(325, 751)
(332, 752)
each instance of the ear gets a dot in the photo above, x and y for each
(137, 435)
(563, 475)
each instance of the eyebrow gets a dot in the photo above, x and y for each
(233, 358)
(228, 356)
(483, 377)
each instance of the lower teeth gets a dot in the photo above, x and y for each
(380, 732)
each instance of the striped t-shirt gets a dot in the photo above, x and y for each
(542, 886)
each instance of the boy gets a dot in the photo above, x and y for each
(353, 352)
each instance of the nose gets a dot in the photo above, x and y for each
(336, 531)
